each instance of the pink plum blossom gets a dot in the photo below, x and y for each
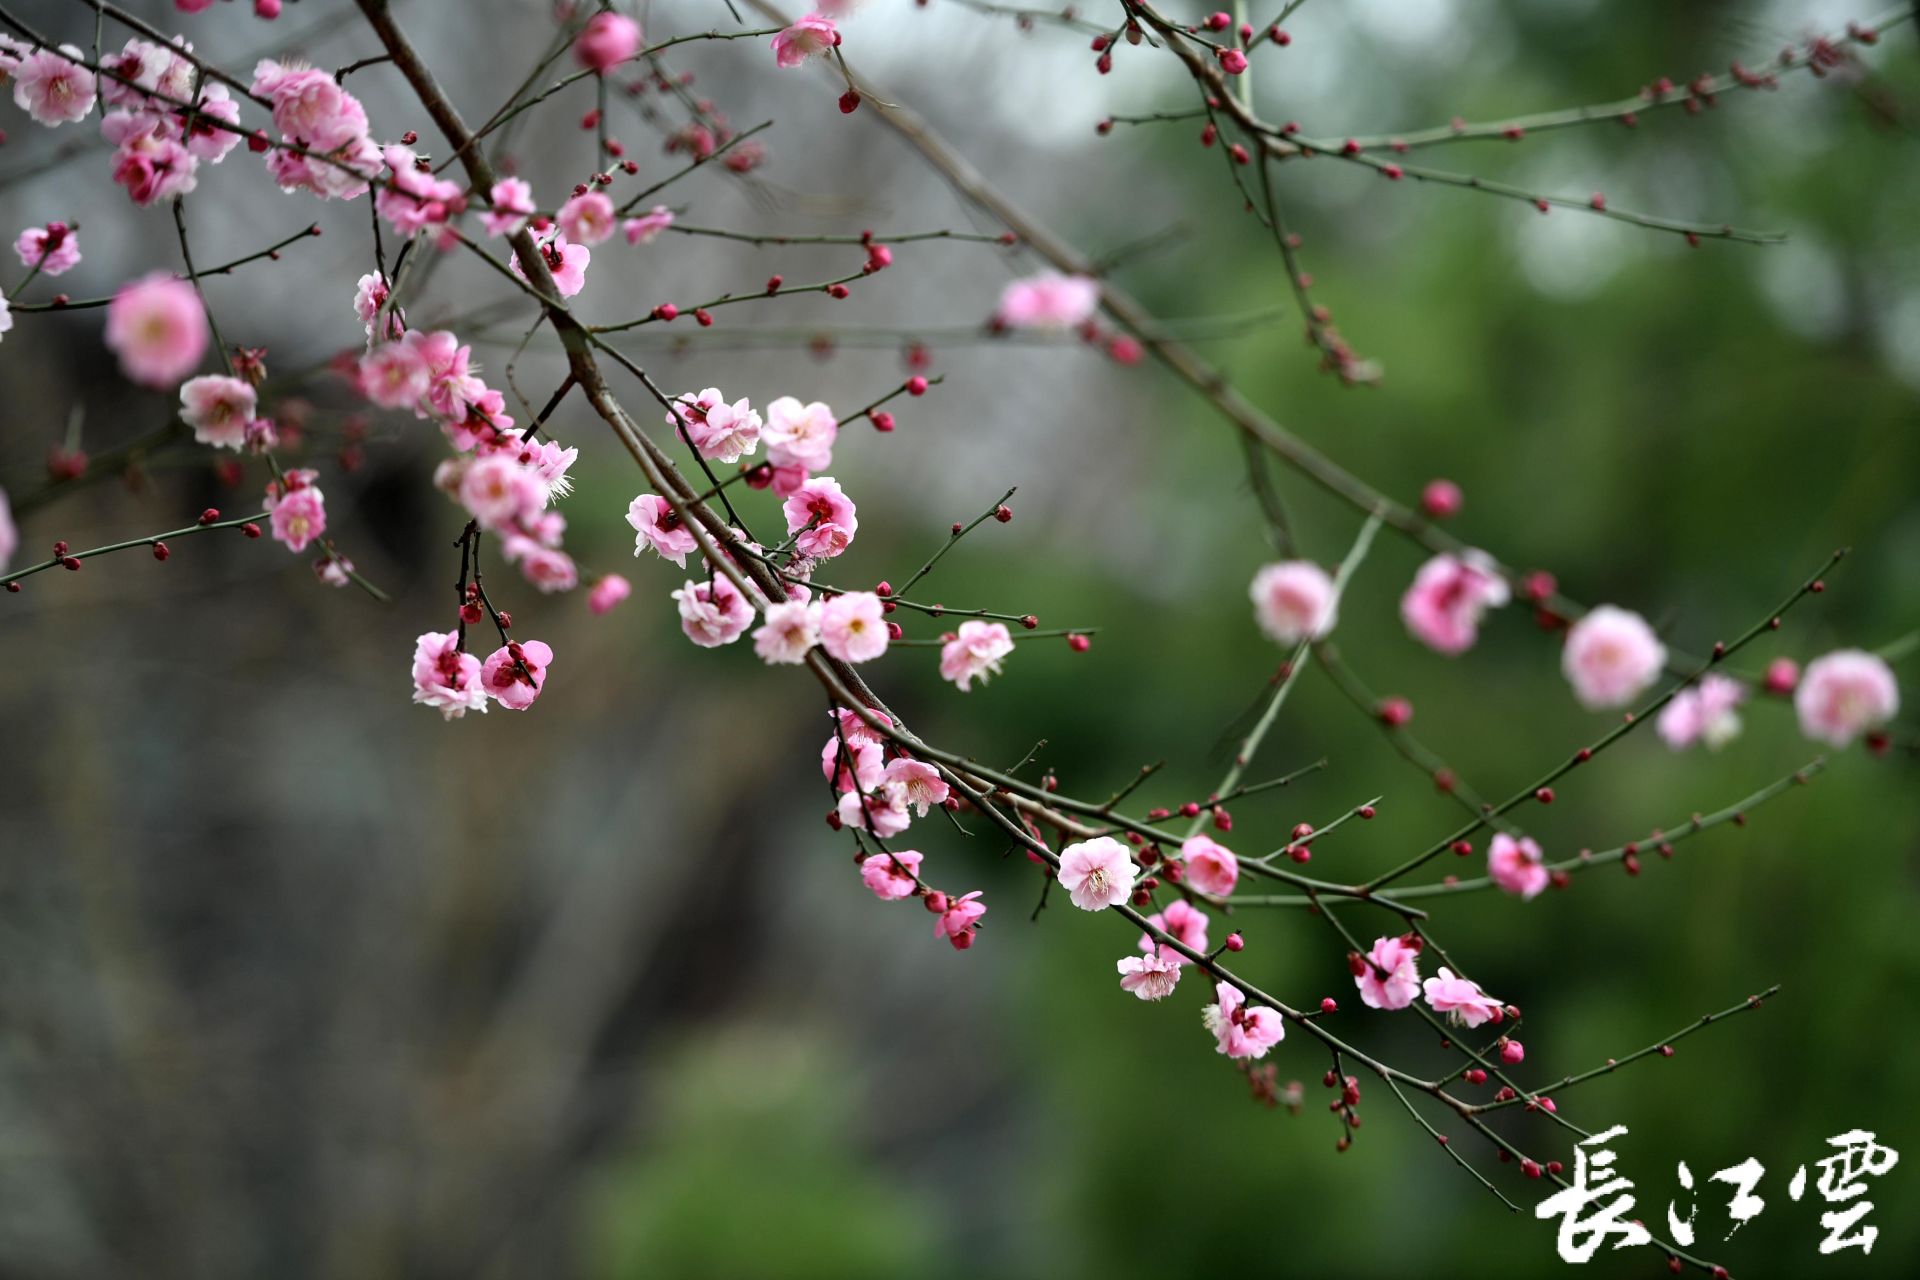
(54, 248)
(445, 678)
(882, 810)
(587, 218)
(608, 592)
(1389, 975)
(1844, 694)
(1517, 866)
(511, 201)
(1239, 1030)
(922, 783)
(657, 525)
(974, 652)
(609, 40)
(309, 106)
(1181, 921)
(1148, 977)
(1461, 999)
(298, 517)
(516, 672)
(499, 492)
(853, 627)
(1097, 873)
(790, 629)
(148, 160)
(1293, 601)
(566, 262)
(218, 408)
(369, 295)
(891, 875)
(1211, 866)
(1443, 606)
(956, 923)
(718, 430)
(643, 229)
(395, 375)
(821, 518)
(713, 613)
(549, 569)
(158, 328)
(1707, 712)
(1611, 656)
(868, 764)
(6, 314)
(1048, 301)
(54, 90)
(807, 38)
(799, 435)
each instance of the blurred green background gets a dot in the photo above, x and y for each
(298, 980)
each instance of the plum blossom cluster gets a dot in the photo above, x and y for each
(505, 481)
(454, 682)
(325, 144)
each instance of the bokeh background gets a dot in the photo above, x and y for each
(297, 980)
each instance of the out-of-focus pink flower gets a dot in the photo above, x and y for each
(1461, 999)
(500, 493)
(445, 678)
(657, 525)
(643, 229)
(821, 517)
(790, 629)
(218, 408)
(298, 517)
(1708, 712)
(158, 328)
(1389, 975)
(608, 592)
(1845, 693)
(586, 218)
(512, 204)
(1611, 656)
(800, 435)
(1184, 923)
(1443, 606)
(1240, 1030)
(54, 248)
(1293, 600)
(807, 38)
(975, 652)
(609, 40)
(1148, 977)
(1211, 867)
(549, 569)
(891, 875)
(1517, 866)
(54, 90)
(1048, 301)
(9, 534)
(853, 627)
(395, 375)
(1097, 873)
(713, 613)
(516, 672)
